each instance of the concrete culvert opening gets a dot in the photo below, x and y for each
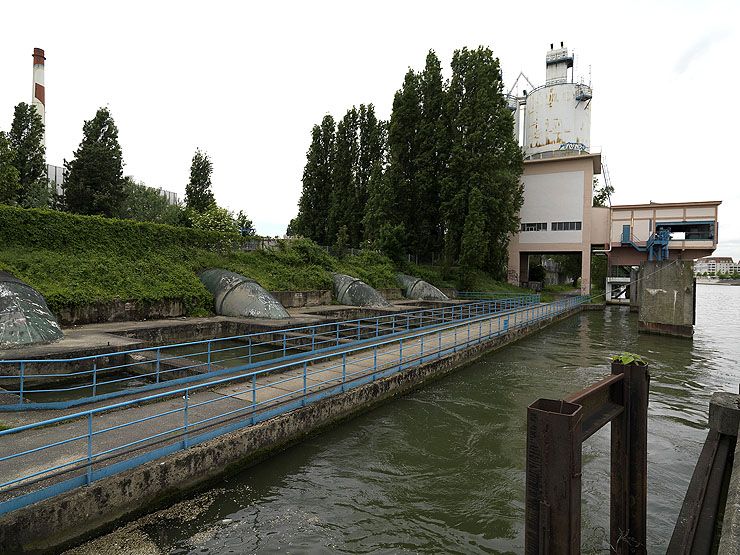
(236, 295)
(417, 288)
(355, 292)
(24, 317)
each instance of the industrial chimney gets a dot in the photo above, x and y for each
(39, 96)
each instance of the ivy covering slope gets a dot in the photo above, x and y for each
(76, 260)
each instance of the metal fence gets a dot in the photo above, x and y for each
(68, 382)
(44, 459)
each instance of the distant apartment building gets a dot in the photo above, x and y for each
(716, 265)
(56, 177)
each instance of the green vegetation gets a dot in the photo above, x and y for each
(76, 260)
(629, 358)
(439, 180)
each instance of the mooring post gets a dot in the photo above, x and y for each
(553, 498)
(629, 461)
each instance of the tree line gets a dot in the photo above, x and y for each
(94, 183)
(440, 179)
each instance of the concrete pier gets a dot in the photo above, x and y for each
(667, 297)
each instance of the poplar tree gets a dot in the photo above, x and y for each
(370, 160)
(474, 242)
(343, 200)
(313, 208)
(403, 151)
(483, 154)
(433, 157)
(26, 140)
(198, 194)
(9, 180)
(93, 180)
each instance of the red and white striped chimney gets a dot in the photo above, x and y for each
(39, 93)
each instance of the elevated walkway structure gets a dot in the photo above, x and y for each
(49, 457)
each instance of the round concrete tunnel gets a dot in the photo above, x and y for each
(418, 289)
(24, 317)
(236, 295)
(352, 291)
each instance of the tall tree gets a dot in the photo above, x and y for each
(371, 156)
(313, 208)
(26, 137)
(343, 195)
(198, 194)
(474, 244)
(9, 179)
(403, 152)
(484, 154)
(93, 180)
(433, 157)
(146, 204)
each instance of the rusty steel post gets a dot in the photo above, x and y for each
(628, 514)
(553, 497)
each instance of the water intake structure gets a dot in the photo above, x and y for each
(418, 289)
(24, 317)
(355, 292)
(236, 295)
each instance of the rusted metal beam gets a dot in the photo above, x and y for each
(697, 522)
(553, 497)
(628, 515)
(599, 404)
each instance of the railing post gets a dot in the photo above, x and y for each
(185, 417)
(22, 372)
(344, 369)
(156, 370)
(209, 355)
(285, 343)
(553, 478)
(313, 339)
(254, 395)
(95, 378)
(439, 344)
(89, 447)
(422, 349)
(375, 361)
(305, 385)
(249, 355)
(358, 330)
(400, 354)
(629, 461)
(377, 327)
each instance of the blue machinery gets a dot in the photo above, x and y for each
(44, 459)
(656, 246)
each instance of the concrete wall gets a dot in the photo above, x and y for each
(120, 311)
(666, 296)
(74, 516)
(298, 299)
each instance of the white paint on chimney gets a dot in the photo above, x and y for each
(39, 91)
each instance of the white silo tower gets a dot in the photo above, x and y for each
(557, 114)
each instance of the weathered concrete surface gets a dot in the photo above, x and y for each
(729, 543)
(666, 297)
(120, 311)
(70, 517)
(298, 299)
(724, 413)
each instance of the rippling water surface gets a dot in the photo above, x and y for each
(442, 469)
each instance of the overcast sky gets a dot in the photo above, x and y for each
(246, 82)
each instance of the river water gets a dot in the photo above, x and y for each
(442, 469)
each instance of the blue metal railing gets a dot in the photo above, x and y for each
(482, 295)
(60, 454)
(113, 374)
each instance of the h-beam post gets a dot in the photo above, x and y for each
(628, 514)
(553, 499)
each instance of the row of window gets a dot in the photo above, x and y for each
(554, 226)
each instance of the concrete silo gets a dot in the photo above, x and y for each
(557, 114)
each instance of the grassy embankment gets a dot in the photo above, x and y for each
(76, 260)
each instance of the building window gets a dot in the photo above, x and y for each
(566, 226)
(534, 227)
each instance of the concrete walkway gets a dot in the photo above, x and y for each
(162, 422)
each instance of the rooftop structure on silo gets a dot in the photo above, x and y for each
(557, 115)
